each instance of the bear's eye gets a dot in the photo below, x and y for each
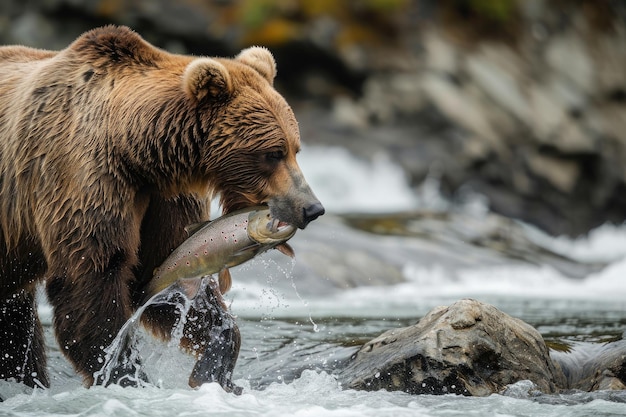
(275, 156)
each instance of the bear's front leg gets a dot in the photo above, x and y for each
(209, 332)
(90, 307)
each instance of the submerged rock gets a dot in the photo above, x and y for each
(593, 366)
(468, 348)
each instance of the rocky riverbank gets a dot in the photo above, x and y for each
(521, 101)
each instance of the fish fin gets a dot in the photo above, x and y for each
(225, 280)
(286, 249)
(190, 286)
(245, 250)
(194, 227)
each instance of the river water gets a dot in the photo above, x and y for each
(356, 276)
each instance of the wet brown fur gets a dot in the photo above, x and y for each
(108, 149)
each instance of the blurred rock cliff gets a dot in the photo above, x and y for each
(523, 102)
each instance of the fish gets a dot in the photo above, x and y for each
(217, 245)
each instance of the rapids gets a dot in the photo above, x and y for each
(382, 257)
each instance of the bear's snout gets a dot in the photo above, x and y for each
(293, 200)
(296, 210)
(312, 212)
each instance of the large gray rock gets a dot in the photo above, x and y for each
(468, 348)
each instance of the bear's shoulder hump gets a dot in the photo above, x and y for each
(114, 44)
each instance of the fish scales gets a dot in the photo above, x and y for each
(215, 246)
(209, 253)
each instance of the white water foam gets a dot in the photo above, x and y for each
(313, 394)
(344, 183)
(605, 243)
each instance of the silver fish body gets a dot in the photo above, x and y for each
(217, 245)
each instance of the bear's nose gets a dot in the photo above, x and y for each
(312, 212)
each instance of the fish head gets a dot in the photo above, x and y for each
(265, 229)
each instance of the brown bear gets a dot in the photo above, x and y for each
(108, 149)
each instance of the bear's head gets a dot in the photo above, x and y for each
(251, 145)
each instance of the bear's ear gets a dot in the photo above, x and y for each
(261, 60)
(206, 78)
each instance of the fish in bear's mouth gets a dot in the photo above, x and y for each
(217, 245)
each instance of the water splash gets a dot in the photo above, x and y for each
(203, 320)
(287, 272)
(123, 353)
(304, 302)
